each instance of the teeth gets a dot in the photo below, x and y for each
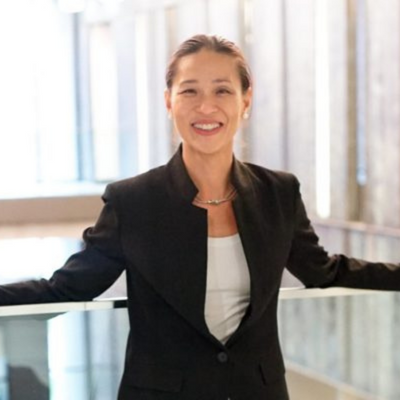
(206, 127)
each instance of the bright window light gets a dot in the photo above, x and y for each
(104, 102)
(141, 45)
(322, 112)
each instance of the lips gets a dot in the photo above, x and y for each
(207, 127)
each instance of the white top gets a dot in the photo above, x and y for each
(228, 286)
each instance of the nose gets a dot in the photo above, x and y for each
(206, 105)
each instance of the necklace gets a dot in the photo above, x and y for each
(216, 202)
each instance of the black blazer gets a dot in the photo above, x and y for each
(150, 228)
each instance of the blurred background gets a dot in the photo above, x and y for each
(81, 104)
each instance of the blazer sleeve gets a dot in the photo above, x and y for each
(86, 274)
(312, 265)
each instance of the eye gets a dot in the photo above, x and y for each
(188, 92)
(223, 91)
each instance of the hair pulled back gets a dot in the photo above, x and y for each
(214, 43)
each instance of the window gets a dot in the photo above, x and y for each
(37, 96)
(80, 95)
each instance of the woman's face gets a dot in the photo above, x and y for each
(206, 102)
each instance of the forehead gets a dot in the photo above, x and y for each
(207, 64)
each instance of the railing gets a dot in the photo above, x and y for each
(347, 338)
(75, 350)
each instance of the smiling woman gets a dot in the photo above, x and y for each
(208, 95)
(206, 101)
(204, 240)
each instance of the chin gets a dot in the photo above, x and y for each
(208, 149)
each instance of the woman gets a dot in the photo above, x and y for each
(204, 240)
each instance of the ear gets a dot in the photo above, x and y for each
(167, 99)
(247, 100)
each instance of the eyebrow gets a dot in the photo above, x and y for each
(218, 80)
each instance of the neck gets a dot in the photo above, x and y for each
(209, 172)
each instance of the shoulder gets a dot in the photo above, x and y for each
(270, 178)
(149, 184)
(279, 189)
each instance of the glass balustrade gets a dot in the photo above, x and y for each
(342, 338)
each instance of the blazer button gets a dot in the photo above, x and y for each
(222, 357)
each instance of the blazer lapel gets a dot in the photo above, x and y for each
(178, 272)
(183, 283)
(257, 227)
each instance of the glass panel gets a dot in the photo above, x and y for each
(346, 340)
(78, 355)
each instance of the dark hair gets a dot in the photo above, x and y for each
(212, 43)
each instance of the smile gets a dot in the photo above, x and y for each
(207, 128)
